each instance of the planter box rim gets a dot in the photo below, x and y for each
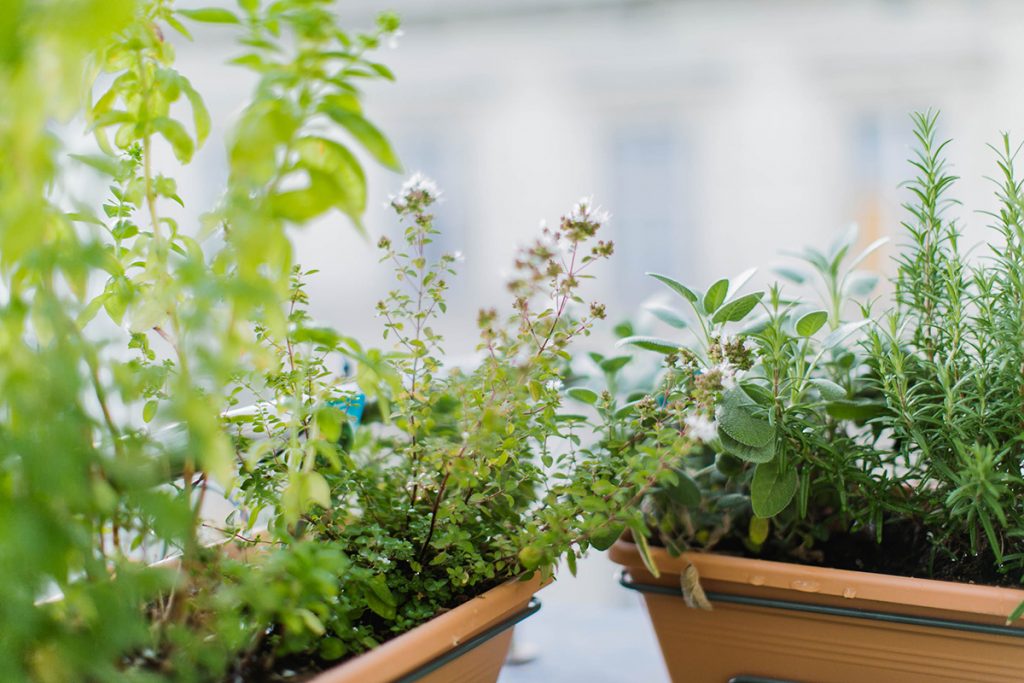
(807, 580)
(410, 655)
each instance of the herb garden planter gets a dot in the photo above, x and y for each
(802, 624)
(468, 644)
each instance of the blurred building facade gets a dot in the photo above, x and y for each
(718, 133)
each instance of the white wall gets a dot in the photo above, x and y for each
(786, 121)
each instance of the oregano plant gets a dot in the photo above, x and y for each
(148, 365)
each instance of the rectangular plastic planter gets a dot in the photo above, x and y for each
(788, 623)
(467, 644)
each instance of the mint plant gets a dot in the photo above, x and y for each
(88, 482)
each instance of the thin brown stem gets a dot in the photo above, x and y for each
(433, 516)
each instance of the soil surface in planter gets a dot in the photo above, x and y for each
(262, 666)
(907, 549)
(305, 667)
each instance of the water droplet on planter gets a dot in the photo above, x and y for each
(757, 580)
(849, 592)
(806, 586)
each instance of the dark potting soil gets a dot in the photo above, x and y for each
(907, 549)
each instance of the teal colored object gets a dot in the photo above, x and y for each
(353, 406)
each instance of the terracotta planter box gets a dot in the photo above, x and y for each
(465, 645)
(779, 622)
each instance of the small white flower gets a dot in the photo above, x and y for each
(416, 183)
(553, 385)
(586, 210)
(581, 211)
(459, 257)
(700, 427)
(727, 371)
(392, 39)
(749, 345)
(465, 436)
(419, 183)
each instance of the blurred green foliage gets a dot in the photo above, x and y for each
(85, 486)
(129, 342)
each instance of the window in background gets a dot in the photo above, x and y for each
(882, 142)
(648, 201)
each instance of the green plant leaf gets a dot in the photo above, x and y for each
(733, 502)
(868, 250)
(379, 597)
(772, 489)
(761, 395)
(326, 337)
(676, 287)
(645, 554)
(842, 245)
(614, 364)
(860, 285)
(107, 165)
(335, 160)
(583, 395)
(739, 282)
(329, 421)
(531, 557)
(858, 411)
(830, 391)
(200, 114)
(317, 490)
(177, 136)
(1016, 614)
(304, 204)
(747, 453)
(382, 71)
(715, 296)
(570, 560)
(667, 315)
(91, 309)
(606, 536)
(367, 134)
(210, 15)
(311, 621)
(626, 410)
(650, 344)
(791, 274)
(685, 491)
(809, 323)
(737, 310)
(742, 419)
(728, 464)
(757, 530)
